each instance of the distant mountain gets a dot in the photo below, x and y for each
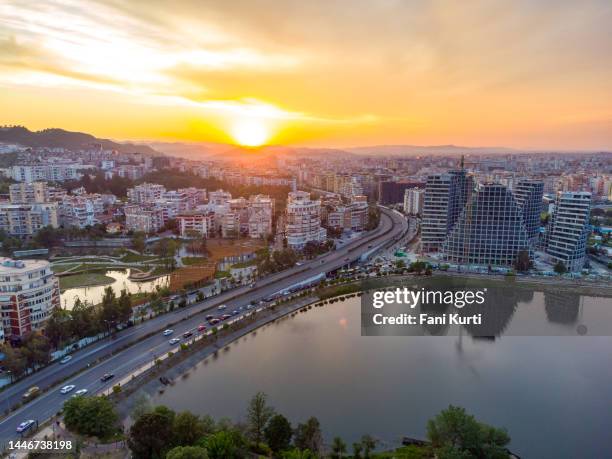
(59, 138)
(428, 149)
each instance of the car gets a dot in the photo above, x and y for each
(225, 317)
(298, 263)
(187, 334)
(107, 376)
(80, 392)
(174, 341)
(66, 359)
(241, 308)
(214, 321)
(168, 332)
(250, 306)
(252, 285)
(25, 425)
(210, 317)
(202, 328)
(221, 307)
(235, 312)
(68, 388)
(32, 392)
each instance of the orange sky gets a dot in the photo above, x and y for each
(527, 74)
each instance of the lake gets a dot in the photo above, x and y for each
(94, 294)
(552, 393)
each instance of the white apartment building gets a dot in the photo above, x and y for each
(46, 172)
(145, 193)
(202, 223)
(303, 220)
(81, 211)
(23, 220)
(147, 219)
(260, 214)
(219, 197)
(569, 229)
(413, 201)
(28, 294)
(29, 193)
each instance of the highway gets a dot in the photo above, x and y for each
(147, 348)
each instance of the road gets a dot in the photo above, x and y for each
(147, 348)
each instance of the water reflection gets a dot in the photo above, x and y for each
(93, 295)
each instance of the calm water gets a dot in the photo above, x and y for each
(553, 394)
(94, 294)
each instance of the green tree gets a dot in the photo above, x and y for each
(523, 263)
(109, 313)
(83, 320)
(188, 428)
(299, 454)
(152, 434)
(454, 433)
(357, 449)
(258, 415)
(36, 349)
(309, 436)
(14, 360)
(338, 448)
(124, 306)
(95, 416)
(368, 444)
(560, 268)
(58, 328)
(138, 241)
(278, 433)
(187, 452)
(227, 444)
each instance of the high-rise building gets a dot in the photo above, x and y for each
(29, 193)
(303, 220)
(489, 231)
(569, 229)
(413, 201)
(28, 294)
(24, 220)
(528, 195)
(445, 198)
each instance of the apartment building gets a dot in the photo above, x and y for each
(569, 229)
(413, 201)
(29, 193)
(303, 220)
(24, 220)
(145, 193)
(529, 195)
(490, 231)
(202, 223)
(28, 294)
(145, 218)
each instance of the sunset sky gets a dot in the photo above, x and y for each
(527, 74)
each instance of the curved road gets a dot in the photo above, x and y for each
(146, 348)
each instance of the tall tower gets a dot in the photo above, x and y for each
(528, 195)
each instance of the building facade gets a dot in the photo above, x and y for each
(569, 229)
(529, 195)
(28, 294)
(303, 220)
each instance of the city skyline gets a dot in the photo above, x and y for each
(523, 76)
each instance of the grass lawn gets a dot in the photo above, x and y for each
(194, 260)
(222, 274)
(62, 268)
(84, 280)
(130, 257)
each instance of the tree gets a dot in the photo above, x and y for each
(560, 268)
(124, 306)
(454, 433)
(368, 445)
(109, 312)
(36, 349)
(309, 436)
(152, 434)
(227, 444)
(188, 428)
(523, 263)
(299, 454)
(187, 452)
(138, 241)
(357, 448)
(338, 448)
(14, 360)
(95, 416)
(278, 433)
(58, 328)
(258, 415)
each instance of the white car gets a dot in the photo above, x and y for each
(174, 340)
(168, 332)
(221, 307)
(66, 359)
(25, 425)
(80, 392)
(68, 388)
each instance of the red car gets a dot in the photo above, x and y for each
(225, 316)
(202, 328)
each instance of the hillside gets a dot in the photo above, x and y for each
(59, 138)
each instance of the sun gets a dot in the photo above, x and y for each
(250, 133)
